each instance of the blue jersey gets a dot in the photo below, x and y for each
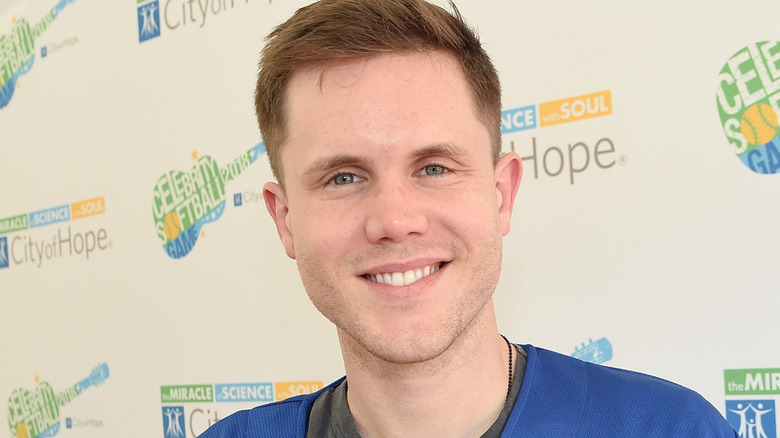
(560, 397)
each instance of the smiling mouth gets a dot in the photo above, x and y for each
(403, 278)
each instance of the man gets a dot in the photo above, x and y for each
(382, 123)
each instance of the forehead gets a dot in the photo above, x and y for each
(390, 68)
(386, 101)
(378, 77)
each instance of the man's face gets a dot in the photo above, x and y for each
(392, 206)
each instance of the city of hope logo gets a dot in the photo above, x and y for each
(148, 20)
(36, 413)
(79, 423)
(578, 156)
(194, 402)
(747, 96)
(176, 14)
(26, 248)
(173, 421)
(183, 202)
(17, 50)
(752, 418)
(3, 252)
(247, 197)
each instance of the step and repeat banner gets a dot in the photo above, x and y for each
(143, 289)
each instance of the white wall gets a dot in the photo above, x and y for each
(670, 253)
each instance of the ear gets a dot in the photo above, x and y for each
(276, 203)
(509, 172)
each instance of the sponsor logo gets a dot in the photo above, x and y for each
(518, 119)
(83, 423)
(237, 392)
(184, 202)
(747, 96)
(173, 421)
(200, 404)
(65, 243)
(285, 390)
(148, 20)
(573, 109)
(13, 223)
(53, 48)
(187, 393)
(759, 381)
(575, 157)
(174, 15)
(201, 419)
(31, 248)
(3, 252)
(571, 160)
(752, 418)
(247, 197)
(53, 215)
(596, 352)
(17, 50)
(36, 413)
(556, 112)
(90, 207)
(244, 392)
(50, 216)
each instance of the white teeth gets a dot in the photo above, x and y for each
(403, 278)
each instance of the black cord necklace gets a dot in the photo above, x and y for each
(511, 368)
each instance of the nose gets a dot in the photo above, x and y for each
(395, 212)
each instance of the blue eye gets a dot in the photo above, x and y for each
(434, 169)
(344, 178)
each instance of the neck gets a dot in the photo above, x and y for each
(437, 397)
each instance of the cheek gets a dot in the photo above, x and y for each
(474, 215)
(324, 230)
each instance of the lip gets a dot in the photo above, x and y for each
(418, 287)
(406, 266)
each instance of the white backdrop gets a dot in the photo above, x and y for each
(662, 252)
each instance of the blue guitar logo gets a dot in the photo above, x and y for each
(17, 50)
(36, 413)
(185, 201)
(595, 352)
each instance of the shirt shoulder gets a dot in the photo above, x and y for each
(286, 418)
(587, 400)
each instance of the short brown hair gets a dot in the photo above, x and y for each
(330, 30)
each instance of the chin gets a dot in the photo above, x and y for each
(416, 346)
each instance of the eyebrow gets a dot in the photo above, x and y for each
(439, 149)
(326, 163)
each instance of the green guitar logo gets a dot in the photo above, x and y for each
(36, 414)
(184, 202)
